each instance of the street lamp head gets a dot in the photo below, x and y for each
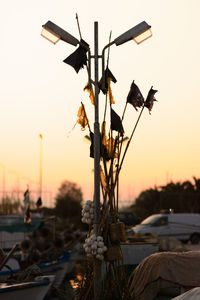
(139, 33)
(50, 36)
(54, 33)
(143, 36)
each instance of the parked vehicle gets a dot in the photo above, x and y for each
(183, 226)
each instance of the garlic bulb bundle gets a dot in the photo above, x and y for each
(88, 212)
(94, 246)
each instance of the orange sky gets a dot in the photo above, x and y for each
(41, 94)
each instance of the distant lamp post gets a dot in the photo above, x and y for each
(3, 180)
(17, 182)
(40, 180)
(54, 33)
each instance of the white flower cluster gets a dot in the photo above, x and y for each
(94, 245)
(88, 212)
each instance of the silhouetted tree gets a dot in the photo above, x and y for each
(9, 206)
(68, 202)
(146, 203)
(180, 196)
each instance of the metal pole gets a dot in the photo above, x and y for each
(3, 180)
(40, 182)
(18, 187)
(17, 183)
(97, 263)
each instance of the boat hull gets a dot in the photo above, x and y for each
(59, 268)
(35, 290)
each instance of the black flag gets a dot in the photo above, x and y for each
(103, 83)
(103, 150)
(116, 123)
(135, 96)
(78, 58)
(39, 203)
(150, 99)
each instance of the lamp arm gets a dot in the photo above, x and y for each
(103, 61)
(89, 62)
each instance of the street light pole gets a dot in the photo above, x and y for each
(3, 180)
(40, 181)
(17, 182)
(96, 133)
(97, 263)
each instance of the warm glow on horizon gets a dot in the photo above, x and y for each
(41, 95)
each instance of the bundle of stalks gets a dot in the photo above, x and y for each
(85, 289)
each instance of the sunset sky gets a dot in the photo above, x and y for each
(41, 94)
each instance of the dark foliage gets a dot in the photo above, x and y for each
(68, 202)
(9, 206)
(182, 197)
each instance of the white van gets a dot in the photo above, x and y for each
(185, 227)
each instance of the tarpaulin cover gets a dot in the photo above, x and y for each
(193, 294)
(163, 270)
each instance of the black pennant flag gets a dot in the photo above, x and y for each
(103, 83)
(39, 203)
(103, 150)
(78, 58)
(150, 99)
(116, 123)
(135, 96)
